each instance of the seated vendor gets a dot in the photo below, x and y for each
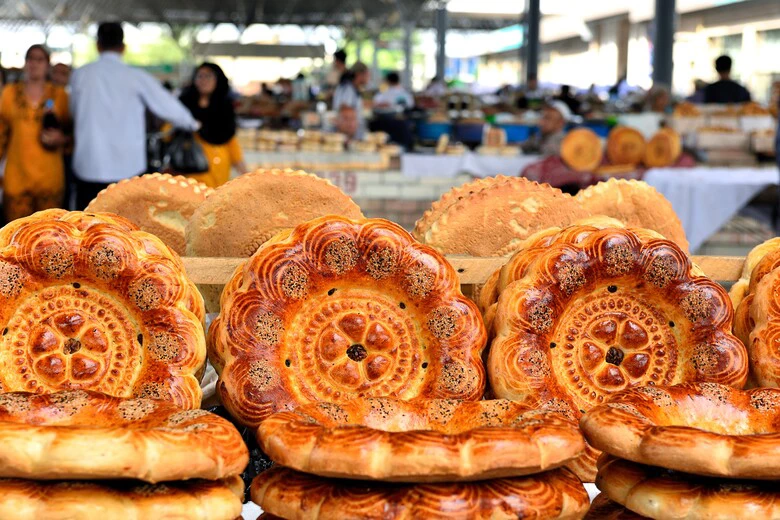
(547, 141)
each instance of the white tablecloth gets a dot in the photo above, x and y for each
(422, 165)
(706, 198)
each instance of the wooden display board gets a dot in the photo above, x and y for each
(472, 271)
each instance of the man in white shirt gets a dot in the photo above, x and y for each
(394, 98)
(347, 94)
(108, 102)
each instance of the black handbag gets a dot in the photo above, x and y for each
(185, 155)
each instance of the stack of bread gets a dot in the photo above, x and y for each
(353, 350)
(582, 312)
(696, 450)
(102, 346)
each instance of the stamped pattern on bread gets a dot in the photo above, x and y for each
(90, 302)
(337, 309)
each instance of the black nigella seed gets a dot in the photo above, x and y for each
(612, 288)
(425, 365)
(76, 285)
(671, 324)
(5, 331)
(287, 362)
(461, 270)
(402, 305)
(140, 339)
(330, 293)
(553, 345)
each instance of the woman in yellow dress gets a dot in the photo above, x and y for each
(31, 140)
(208, 98)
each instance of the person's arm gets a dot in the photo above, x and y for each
(236, 156)
(164, 105)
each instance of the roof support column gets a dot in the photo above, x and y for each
(663, 42)
(532, 18)
(441, 40)
(375, 79)
(408, 26)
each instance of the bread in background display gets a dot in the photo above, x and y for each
(663, 149)
(554, 495)
(246, 212)
(581, 150)
(92, 303)
(159, 204)
(337, 309)
(420, 441)
(625, 145)
(621, 308)
(636, 204)
(493, 221)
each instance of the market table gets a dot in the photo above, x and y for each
(428, 165)
(706, 198)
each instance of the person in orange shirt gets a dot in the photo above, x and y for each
(33, 113)
(208, 98)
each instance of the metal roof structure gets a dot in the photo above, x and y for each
(371, 14)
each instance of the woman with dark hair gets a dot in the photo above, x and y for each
(33, 113)
(208, 98)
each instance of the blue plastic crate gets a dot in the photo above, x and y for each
(516, 133)
(432, 131)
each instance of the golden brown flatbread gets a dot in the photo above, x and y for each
(88, 435)
(663, 149)
(582, 150)
(701, 428)
(421, 440)
(602, 508)
(636, 204)
(556, 494)
(625, 145)
(619, 309)
(496, 219)
(158, 203)
(247, 211)
(338, 309)
(121, 500)
(659, 493)
(90, 302)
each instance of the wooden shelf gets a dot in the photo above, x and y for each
(472, 271)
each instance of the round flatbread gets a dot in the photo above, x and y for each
(740, 288)
(625, 145)
(701, 428)
(496, 219)
(663, 149)
(158, 203)
(88, 435)
(338, 309)
(420, 441)
(247, 211)
(763, 310)
(581, 150)
(621, 308)
(636, 204)
(121, 500)
(556, 494)
(449, 198)
(659, 493)
(602, 508)
(90, 302)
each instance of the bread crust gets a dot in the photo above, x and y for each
(602, 508)
(496, 219)
(88, 435)
(636, 204)
(700, 428)
(338, 309)
(556, 494)
(625, 145)
(621, 308)
(663, 149)
(420, 440)
(158, 203)
(121, 500)
(90, 302)
(581, 150)
(657, 493)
